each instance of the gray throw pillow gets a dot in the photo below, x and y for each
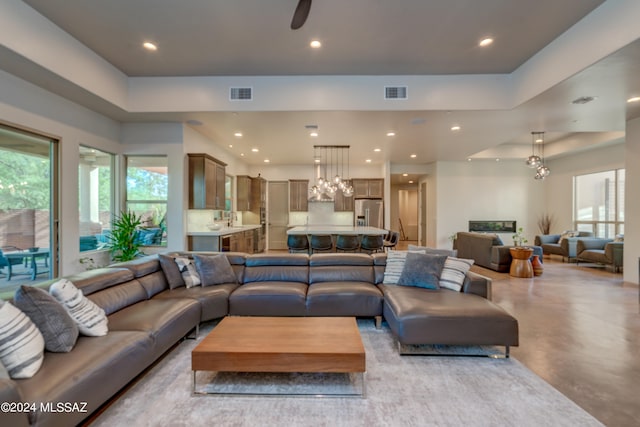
(422, 270)
(214, 269)
(59, 330)
(171, 271)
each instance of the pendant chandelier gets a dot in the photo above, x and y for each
(329, 168)
(537, 160)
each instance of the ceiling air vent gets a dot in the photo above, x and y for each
(241, 94)
(395, 92)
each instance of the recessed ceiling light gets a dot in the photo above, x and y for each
(469, 159)
(255, 150)
(411, 182)
(634, 99)
(405, 174)
(241, 154)
(238, 134)
(377, 150)
(485, 42)
(497, 160)
(455, 128)
(230, 145)
(317, 160)
(313, 134)
(368, 160)
(316, 44)
(413, 156)
(150, 46)
(391, 134)
(266, 160)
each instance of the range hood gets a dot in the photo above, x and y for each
(322, 197)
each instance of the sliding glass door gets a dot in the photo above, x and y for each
(28, 208)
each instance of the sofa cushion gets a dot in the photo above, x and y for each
(422, 270)
(171, 271)
(454, 272)
(425, 316)
(433, 251)
(272, 298)
(188, 271)
(95, 370)
(349, 298)
(91, 319)
(59, 330)
(214, 300)
(21, 343)
(214, 269)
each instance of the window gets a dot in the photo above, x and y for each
(95, 197)
(28, 207)
(147, 189)
(599, 203)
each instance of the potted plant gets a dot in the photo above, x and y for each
(122, 241)
(518, 238)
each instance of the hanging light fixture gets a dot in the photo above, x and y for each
(542, 171)
(333, 169)
(533, 161)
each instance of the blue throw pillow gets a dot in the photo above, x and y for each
(422, 270)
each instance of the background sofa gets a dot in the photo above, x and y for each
(148, 313)
(601, 251)
(557, 244)
(487, 250)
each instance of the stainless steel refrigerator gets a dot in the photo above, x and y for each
(369, 212)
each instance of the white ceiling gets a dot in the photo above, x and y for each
(360, 37)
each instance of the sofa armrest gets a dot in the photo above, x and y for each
(541, 239)
(10, 393)
(614, 252)
(477, 284)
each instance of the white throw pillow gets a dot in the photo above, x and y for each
(454, 272)
(21, 343)
(90, 318)
(188, 272)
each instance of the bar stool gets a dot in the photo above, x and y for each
(371, 243)
(298, 243)
(321, 242)
(392, 240)
(347, 243)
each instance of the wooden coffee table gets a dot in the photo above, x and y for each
(281, 344)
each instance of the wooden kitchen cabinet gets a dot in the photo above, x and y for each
(342, 203)
(298, 195)
(368, 188)
(244, 193)
(206, 182)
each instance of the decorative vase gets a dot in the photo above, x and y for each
(537, 266)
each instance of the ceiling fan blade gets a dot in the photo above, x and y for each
(301, 14)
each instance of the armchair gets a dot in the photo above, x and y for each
(561, 244)
(601, 251)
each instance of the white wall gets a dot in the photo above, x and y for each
(632, 203)
(486, 190)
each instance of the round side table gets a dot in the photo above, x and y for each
(520, 264)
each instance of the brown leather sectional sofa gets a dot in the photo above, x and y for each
(146, 318)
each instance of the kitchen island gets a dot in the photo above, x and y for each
(337, 229)
(244, 238)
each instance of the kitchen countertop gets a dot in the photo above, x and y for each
(223, 231)
(335, 229)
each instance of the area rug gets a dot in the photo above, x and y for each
(400, 391)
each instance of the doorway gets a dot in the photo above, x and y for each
(422, 214)
(278, 214)
(28, 206)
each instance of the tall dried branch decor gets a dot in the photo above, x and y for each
(544, 223)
